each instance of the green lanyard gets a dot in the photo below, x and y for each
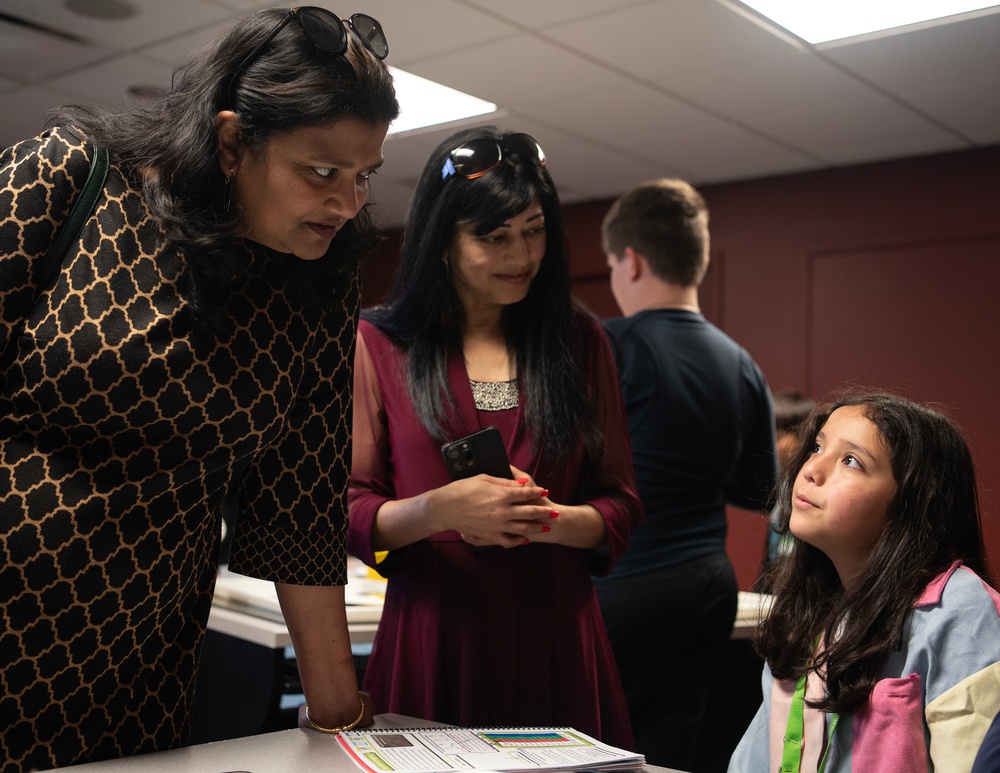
(791, 755)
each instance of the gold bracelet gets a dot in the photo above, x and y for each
(342, 728)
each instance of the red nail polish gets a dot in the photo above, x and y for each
(522, 481)
(553, 514)
(546, 527)
(545, 493)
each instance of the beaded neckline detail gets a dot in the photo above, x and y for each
(494, 395)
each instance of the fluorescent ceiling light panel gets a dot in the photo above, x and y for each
(818, 21)
(423, 103)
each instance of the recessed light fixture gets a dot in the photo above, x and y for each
(820, 21)
(423, 103)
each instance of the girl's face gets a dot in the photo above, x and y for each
(497, 269)
(842, 492)
(306, 183)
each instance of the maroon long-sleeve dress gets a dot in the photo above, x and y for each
(489, 636)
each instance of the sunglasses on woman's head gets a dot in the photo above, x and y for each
(325, 31)
(477, 157)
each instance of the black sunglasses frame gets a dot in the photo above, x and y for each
(374, 39)
(462, 160)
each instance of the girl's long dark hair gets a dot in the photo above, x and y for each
(423, 314)
(171, 146)
(932, 520)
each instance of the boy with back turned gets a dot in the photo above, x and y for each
(702, 433)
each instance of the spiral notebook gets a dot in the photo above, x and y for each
(504, 749)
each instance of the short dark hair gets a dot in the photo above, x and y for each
(666, 221)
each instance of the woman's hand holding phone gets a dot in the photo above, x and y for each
(523, 520)
(487, 510)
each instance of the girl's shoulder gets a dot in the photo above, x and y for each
(959, 588)
(953, 644)
(957, 609)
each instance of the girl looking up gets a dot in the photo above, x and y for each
(883, 642)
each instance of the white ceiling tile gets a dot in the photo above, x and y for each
(420, 30)
(31, 116)
(725, 152)
(532, 14)
(770, 87)
(154, 20)
(20, 48)
(655, 41)
(870, 130)
(976, 119)
(950, 73)
(108, 82)
(648, 125)
(178, 48)
(928, 59)
(523, 73)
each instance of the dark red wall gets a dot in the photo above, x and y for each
(884, 275)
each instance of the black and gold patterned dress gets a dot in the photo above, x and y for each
(121, 428)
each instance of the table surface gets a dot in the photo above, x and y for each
(280, 752)
(248, 608)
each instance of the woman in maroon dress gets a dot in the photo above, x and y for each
(490, 616)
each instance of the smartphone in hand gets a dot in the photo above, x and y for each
(482, 451)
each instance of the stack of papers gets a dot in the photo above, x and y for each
(507, 750)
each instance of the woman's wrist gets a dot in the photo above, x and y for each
(428, 513)
(402, 522)
(340, 728)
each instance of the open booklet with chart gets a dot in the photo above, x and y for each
(445, 749)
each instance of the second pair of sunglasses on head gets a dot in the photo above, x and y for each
(477, 157)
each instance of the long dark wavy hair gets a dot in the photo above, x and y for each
(424, 315)
(932, 520)
(171, 146)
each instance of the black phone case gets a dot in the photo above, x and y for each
(482, 451)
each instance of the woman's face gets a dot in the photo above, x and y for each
(497, 269)
(842, 493)
(305, 183)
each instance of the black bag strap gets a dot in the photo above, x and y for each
(80, 213)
